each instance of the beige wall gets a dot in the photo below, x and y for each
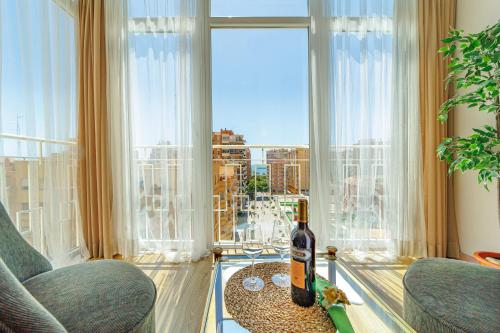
(476, 209)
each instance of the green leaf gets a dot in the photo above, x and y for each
(449, 39)
(443, 49)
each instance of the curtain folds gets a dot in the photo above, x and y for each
(202, 224)
(120, 136)
(319, 138)
(436, 17)
(365, 130)
(159, 127)
(94, 169)
(404, 163)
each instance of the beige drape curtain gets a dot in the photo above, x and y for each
(94, 171)
(436, 17)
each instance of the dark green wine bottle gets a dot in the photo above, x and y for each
(302, 265)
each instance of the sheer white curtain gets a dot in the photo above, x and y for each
(165, 166)
(319, 123)
(38, 125)
(120, 129)
(404, 159)
(366, 105)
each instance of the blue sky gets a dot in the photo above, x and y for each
(260, 84)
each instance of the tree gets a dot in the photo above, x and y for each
(474, 66)
(262, 184)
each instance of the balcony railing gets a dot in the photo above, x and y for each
(261, 188)
(250, 183)
(38, 186)
(261, 183)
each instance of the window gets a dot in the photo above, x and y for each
(260, 112)
(25, 184)
(258, 77)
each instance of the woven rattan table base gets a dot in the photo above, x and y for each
(271, 309)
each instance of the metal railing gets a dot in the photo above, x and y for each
(250, 183)
(34, 170)
(256, 182)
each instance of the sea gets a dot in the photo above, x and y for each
(259, 169)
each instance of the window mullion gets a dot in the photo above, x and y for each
(259, 22)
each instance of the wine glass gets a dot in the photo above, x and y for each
(253, 245)
(281, 243)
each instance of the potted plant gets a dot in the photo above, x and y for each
(475, 68)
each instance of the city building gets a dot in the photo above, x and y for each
(225, 187)
(231, 169)
(301, 157)
(239, 157)
(277, 159)
(289, 168)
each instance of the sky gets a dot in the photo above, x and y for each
(260, 84)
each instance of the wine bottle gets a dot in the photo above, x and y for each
(302, 266)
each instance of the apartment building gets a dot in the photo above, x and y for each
(239, 157)
(289, 170)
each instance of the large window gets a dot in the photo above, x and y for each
(260, 114)
(259, 80)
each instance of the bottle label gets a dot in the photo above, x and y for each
(298, 274)
(300, 254)
(298, 266)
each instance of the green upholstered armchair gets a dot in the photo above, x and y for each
(451, 296)
(97, 296)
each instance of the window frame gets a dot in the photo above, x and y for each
(272, 22)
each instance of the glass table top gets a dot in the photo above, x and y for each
(367, 311)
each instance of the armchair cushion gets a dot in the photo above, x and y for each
(444, 295)
(17, 254)
(19, 310)
(98, 296)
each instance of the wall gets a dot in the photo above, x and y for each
(476, 209)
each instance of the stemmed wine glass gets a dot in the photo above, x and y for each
(281, 243)
(253, 245)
